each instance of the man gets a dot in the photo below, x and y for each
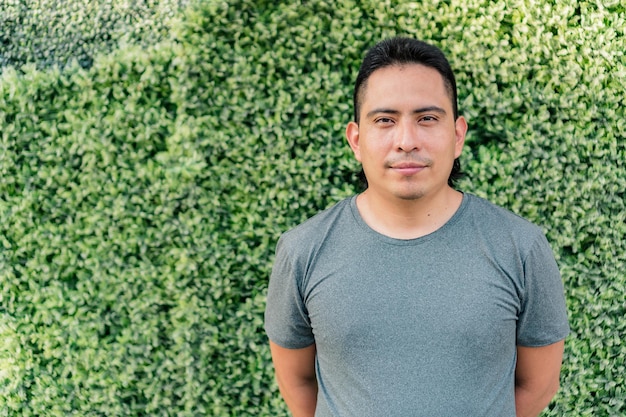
(412, 298)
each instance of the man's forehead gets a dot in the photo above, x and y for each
(392, 82)
(395, 75)
(414, 70)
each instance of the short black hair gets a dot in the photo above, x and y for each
(399, 51)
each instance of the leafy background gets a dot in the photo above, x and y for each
(153, 151)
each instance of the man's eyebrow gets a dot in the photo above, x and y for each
(427, 109)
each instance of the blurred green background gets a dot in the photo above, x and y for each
(152, 152)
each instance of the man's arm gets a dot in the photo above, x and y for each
(295, 373)
(537, 377)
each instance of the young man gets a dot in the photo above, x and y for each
(412, 298)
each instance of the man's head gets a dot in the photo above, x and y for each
(402, 51)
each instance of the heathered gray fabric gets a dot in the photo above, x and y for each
(422, 327)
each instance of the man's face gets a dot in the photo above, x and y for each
(407, 138)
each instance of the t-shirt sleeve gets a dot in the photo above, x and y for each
(543, 317)
(286, 318)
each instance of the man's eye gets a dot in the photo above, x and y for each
(384, 120)
(428, 119)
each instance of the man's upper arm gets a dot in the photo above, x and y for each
(539, 365)
(293, 364)
(295, 373)
(537, 377)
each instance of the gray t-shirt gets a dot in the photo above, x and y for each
(419, 327)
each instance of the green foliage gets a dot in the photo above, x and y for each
(141, 198)
(54, 32)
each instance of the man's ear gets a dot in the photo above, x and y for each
(352, 134)
(460, 129)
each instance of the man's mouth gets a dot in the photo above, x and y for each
(408, 167)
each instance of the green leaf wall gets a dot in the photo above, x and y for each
(56, 32)
(141, 197)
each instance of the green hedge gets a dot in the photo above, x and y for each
(141, 198)
(55, 32)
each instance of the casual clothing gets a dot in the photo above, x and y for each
(419, 327)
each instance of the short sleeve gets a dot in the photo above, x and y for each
(543, 317)
(286, 318)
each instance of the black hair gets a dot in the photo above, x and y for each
(402, 50)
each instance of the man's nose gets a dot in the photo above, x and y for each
(408, 136)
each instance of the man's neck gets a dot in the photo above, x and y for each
(408, 219)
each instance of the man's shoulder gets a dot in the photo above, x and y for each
(502, 230)
(318, 226)
(500, 218)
